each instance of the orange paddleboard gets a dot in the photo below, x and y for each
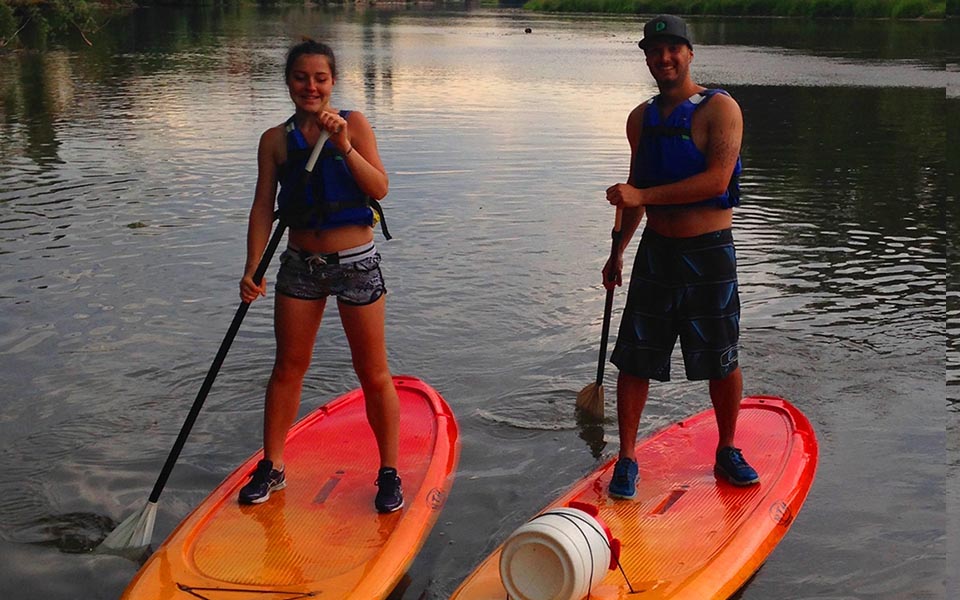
(320, 536)
(688, 535)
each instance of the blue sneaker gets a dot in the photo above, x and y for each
(734, 468)
(389, 495)
(264, 480)
(624, 481)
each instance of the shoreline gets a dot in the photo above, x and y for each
(790, 9)
(35, 23)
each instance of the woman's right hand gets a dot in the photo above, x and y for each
(249, 291)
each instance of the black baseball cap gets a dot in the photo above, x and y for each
(664, 26)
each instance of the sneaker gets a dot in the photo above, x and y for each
(624, 482)
(264, 480)
(389, 495)
(732, 467)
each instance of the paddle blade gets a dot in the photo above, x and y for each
(590, 401)
(135, 532)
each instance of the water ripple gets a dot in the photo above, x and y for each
(124, 195)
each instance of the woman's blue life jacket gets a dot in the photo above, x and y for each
(328, 197)
(666, 152)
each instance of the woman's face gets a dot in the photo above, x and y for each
(310, 82)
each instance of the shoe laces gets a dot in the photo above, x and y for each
(388, 482)
(621, 472)
(262, 472)
(735, 456)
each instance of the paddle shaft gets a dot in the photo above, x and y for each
(608, 304)
(215, 367)
(225, 344)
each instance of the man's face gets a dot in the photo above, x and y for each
(669, 61)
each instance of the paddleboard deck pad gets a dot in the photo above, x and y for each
(320, 537)
(688, 534)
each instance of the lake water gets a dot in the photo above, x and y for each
(127, 170)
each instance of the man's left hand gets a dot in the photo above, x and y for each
(624, 195)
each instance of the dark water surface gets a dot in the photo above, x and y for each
(126, 174)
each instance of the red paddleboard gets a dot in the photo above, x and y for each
(320, 536)
(689, 535)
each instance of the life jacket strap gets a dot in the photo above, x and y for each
(375, 205)
(665, 131)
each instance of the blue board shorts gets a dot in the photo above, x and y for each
(352, 275)
(686, 288)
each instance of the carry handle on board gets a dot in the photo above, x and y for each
(136, 531)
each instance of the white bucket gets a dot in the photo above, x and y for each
(558, 555)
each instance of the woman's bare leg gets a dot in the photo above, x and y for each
(296, 323)
(364, 327)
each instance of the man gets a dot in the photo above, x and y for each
(684, 168)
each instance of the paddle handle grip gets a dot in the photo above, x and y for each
(615, 237)
(312, 161)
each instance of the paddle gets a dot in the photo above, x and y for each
(590, 398)
(136, 531)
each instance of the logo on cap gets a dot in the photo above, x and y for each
(661, 26)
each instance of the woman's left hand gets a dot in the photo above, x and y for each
(336, 125)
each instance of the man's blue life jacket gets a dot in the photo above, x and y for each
(666, 152)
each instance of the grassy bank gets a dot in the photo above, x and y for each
(869, 9)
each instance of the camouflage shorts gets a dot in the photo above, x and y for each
(356, 283)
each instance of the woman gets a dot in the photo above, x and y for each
(330, 252)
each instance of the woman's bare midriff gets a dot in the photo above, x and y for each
(331, 240)
(688, 222)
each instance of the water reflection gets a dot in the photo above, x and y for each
(868, 39)
(35, 89)
(71, 533)
(852, 228)
(499, 145)
(952, 210)
(377, 65)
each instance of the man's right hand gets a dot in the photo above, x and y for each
(624, 195)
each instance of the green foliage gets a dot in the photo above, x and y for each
(39, 32)
(216, 2)
(830, 8)
(897, 9)
(8, 23)
(871, 9)
(738, 8)
(34, 23)
(909, 9)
